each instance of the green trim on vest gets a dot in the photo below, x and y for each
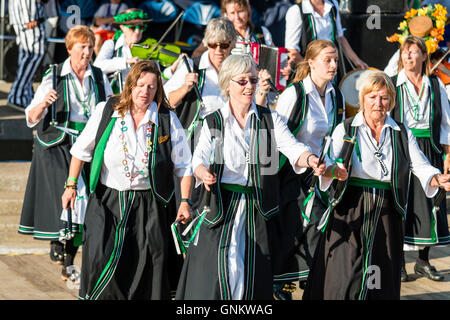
(99, 153)
(77, 125)
(236, 188)
(421, 133)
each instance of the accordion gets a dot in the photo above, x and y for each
(272, 59)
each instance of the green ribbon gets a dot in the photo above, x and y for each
(421, 133)
(369, 183)
(237, 188)
(304, 205)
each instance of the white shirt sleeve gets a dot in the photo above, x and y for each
(339, 30)
(392, 66)
(202, 151)
(287, 144)
(445, 121)
(42, 90)
(336, 146)
(106, 61)
(286, 102)
(83, 148)
(181, 152)
(293, 28)
(177, 80)
(267, 36)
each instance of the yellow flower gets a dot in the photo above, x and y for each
(403, 25)
(401, 38)
(422, 11)
(411, 13)
(440, 24)
(431, 45)
(438, 7)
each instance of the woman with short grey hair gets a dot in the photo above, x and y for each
(231, 258)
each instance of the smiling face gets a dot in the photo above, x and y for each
(324, 65)
(237, 14)
(376, 104)
(413, 58)
(242, 87)
(144, 91)
(81, 54)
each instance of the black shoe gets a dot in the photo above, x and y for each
(56, 252)
(428, 271)
(404, 276)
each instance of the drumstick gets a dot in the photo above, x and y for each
(53, 122)
(270, 82)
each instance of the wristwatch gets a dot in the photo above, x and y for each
(186, 200)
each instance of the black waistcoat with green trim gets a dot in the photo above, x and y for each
(435, 116)
(400, 171)
(47, 135)
(160, 165)
(301, 107)
(264, 184)
(308, 32)
(188, 107)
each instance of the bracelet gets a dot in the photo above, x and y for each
(72, 179)
(307, 159)
(70, 186)
(332, 171)
(189, 202)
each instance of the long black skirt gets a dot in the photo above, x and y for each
(42, 207)
(423, 226)
(293, 244)
(359, 253)
(127, 249)
(206, 275)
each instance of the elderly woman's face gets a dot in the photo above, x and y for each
(413, 58)
(144, 91)
(242, 87)
(237, 14)
(81, 53)
(376, 104)
(132, 34)
(218, 52)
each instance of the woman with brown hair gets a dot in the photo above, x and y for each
(79, 87)
(312, 106)
(135, 144)
(358, 256)
(422, 105)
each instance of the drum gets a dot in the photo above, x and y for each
(349, 87)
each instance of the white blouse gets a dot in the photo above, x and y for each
(319, 119)
(323, 24)
(113, 171)
(85, 92)
(369, 167)
(211, 94)
(236, 146)
(411, 97)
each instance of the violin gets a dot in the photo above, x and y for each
(439, 66)
(166, 54)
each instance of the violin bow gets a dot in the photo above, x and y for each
(167, 31)
(439, 61)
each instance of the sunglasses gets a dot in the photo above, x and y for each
(225, 45)
(140, 27)
(244, 82)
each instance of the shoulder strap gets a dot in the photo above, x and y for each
(99, 83)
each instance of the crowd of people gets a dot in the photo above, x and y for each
(128, 153)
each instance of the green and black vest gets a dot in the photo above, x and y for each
(300, 110)
(400, 171)
(435, 115)
(263, 185)
(160, 166)
(189, 109)
(47, 135)
(309, 34)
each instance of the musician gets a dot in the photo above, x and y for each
(325, 24)
(232, 258)
(423, 106)
(79, 87)
(115, 58)
(134, 143)
(359, 253)
(312, 106)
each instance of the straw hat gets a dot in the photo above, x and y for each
(420, 26)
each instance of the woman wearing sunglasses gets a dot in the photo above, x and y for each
(115, 58)
(231, 259)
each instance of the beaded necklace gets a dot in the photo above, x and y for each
(144, 170)
(86, 102)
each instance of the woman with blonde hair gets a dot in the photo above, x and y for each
(359, 254)
(79, 87)
(422, 105)
(312, 106)
(135, 145)
(231, 260)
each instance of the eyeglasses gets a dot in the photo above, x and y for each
(224, 45)
(140, 27)
(244, 82)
